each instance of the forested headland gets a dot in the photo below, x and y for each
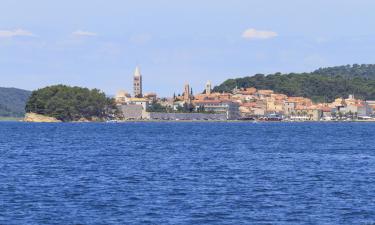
(67, 103)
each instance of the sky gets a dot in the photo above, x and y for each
(98, 43)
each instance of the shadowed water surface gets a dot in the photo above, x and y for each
(187, 173)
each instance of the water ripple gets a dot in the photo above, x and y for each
(187, 173)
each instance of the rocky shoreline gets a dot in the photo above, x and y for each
(37, 118)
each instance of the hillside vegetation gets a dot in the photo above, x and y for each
(349, 71)
(322, 85)
(12, 102)
(71, 103)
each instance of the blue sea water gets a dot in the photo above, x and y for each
(187, 173)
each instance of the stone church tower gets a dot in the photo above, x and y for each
(137, 83)
(187, 96)
(208, 88)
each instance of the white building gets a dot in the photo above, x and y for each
(220, 106)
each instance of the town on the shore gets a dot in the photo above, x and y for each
(240, 104)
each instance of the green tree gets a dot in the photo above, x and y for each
(71, 103)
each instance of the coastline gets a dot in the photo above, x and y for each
(20, 120)
(36, 118)
(10, 119)
(238, 121)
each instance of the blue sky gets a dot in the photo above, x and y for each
(97, 43)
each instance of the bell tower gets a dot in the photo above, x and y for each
(137, 83)
(208, 88)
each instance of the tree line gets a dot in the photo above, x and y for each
(71, 103)
(322, 85)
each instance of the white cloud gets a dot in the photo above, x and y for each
(253, 34)
(80, 33)
(15, 33)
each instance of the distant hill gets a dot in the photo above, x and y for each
(322, 85)
(13, 102)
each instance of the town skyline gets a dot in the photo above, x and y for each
(138, 90)
(99, 43)
(240, 103)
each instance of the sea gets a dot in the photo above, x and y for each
(187, 173)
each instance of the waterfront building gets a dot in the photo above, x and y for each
(132, 112)
(137, 83)
(351, 107)
(246, 109)
(258, 111)
(252, 110)
(371, 105)
(139, 101)
(306, 113)
(274, 106)
(358, 109)
(289, 107)
(220, 106)
(184, 116)
(326, 112)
